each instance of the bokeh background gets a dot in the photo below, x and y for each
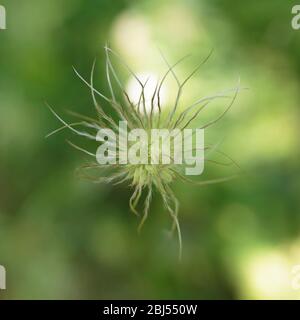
(64, 238)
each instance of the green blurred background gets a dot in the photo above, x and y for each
(64, 238)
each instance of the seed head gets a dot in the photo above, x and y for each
(143, 178)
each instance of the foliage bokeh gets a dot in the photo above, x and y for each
(61, 237)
